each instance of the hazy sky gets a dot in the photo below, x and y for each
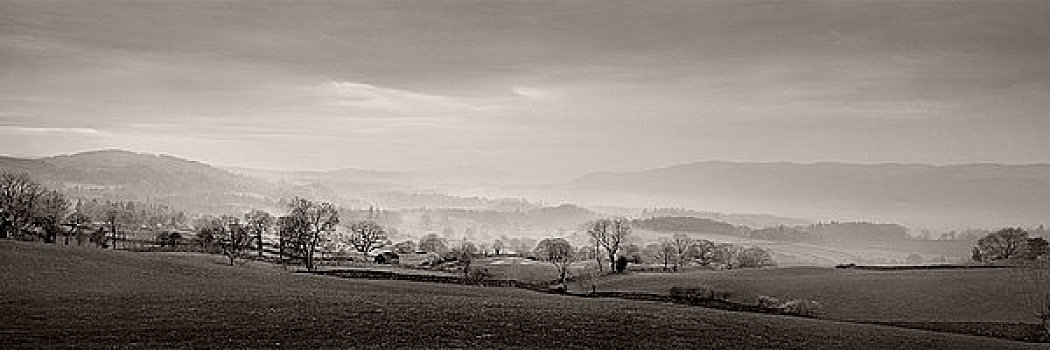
(560, 86)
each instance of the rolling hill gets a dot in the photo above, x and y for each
(918, 195)
(124, 175)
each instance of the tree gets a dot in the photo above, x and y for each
(234, 238)
(753, 257)
(559, 253)
(99, 238)
(48, 212)
(18, 194)
(497, 246)
(209, 229)
(703, 250)
(291, 232)
(726, 254)
(1006, 243)
(666, 253)
(314, 219)
(682, 246)
(113, 216)
(366, 235)
(76, 221)
(609, 233)
(257, 223)
(431, 243)
(464, 255)
(1035, 247)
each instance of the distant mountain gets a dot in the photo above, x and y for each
(198, 187)
(124, 175)
(952, 196)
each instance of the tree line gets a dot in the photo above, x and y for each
(30, 210)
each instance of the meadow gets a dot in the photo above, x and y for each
(956, 295)
(63, 296)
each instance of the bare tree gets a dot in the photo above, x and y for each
(76, 221)
(257, 223)
(209, 229)
(18, 195)
(366, 235)
(665, 251)
(113, 216)
(609, 234)
(753, 257)
(48, 212)
(559, 253)
(726, 254)
(316, 219)
(234, 239)
(703, 250)
(682, 245)
(291, 234)
(464, 255)
(431, 243)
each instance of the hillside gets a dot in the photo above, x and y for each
(123, 175)
(954, 196)
(62, 296)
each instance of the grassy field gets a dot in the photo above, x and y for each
(805, 254)
(965, 295)
(56, 296)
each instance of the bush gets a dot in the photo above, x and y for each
(805, 308)
(476, 275)
(768, 302)
(387, 258)
(696, 294)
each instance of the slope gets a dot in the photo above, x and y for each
(65, 296)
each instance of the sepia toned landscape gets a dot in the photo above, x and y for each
(524, 174)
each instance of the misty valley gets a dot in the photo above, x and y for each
(524, 174)
(366, 225)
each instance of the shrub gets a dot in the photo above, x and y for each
(476, 275)
(387, 258)
(805, 308)
(768, 302)
(696, 294)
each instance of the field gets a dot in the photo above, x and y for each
(57, 296)
(963, 295)
(805, 254)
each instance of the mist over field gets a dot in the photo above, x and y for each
(954, 203)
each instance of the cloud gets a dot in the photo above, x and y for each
(36, 130)
(371, 97)
(532, 93)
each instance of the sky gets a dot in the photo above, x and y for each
(544, 88)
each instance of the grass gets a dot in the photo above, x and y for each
(57, 296)
(964, 295)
